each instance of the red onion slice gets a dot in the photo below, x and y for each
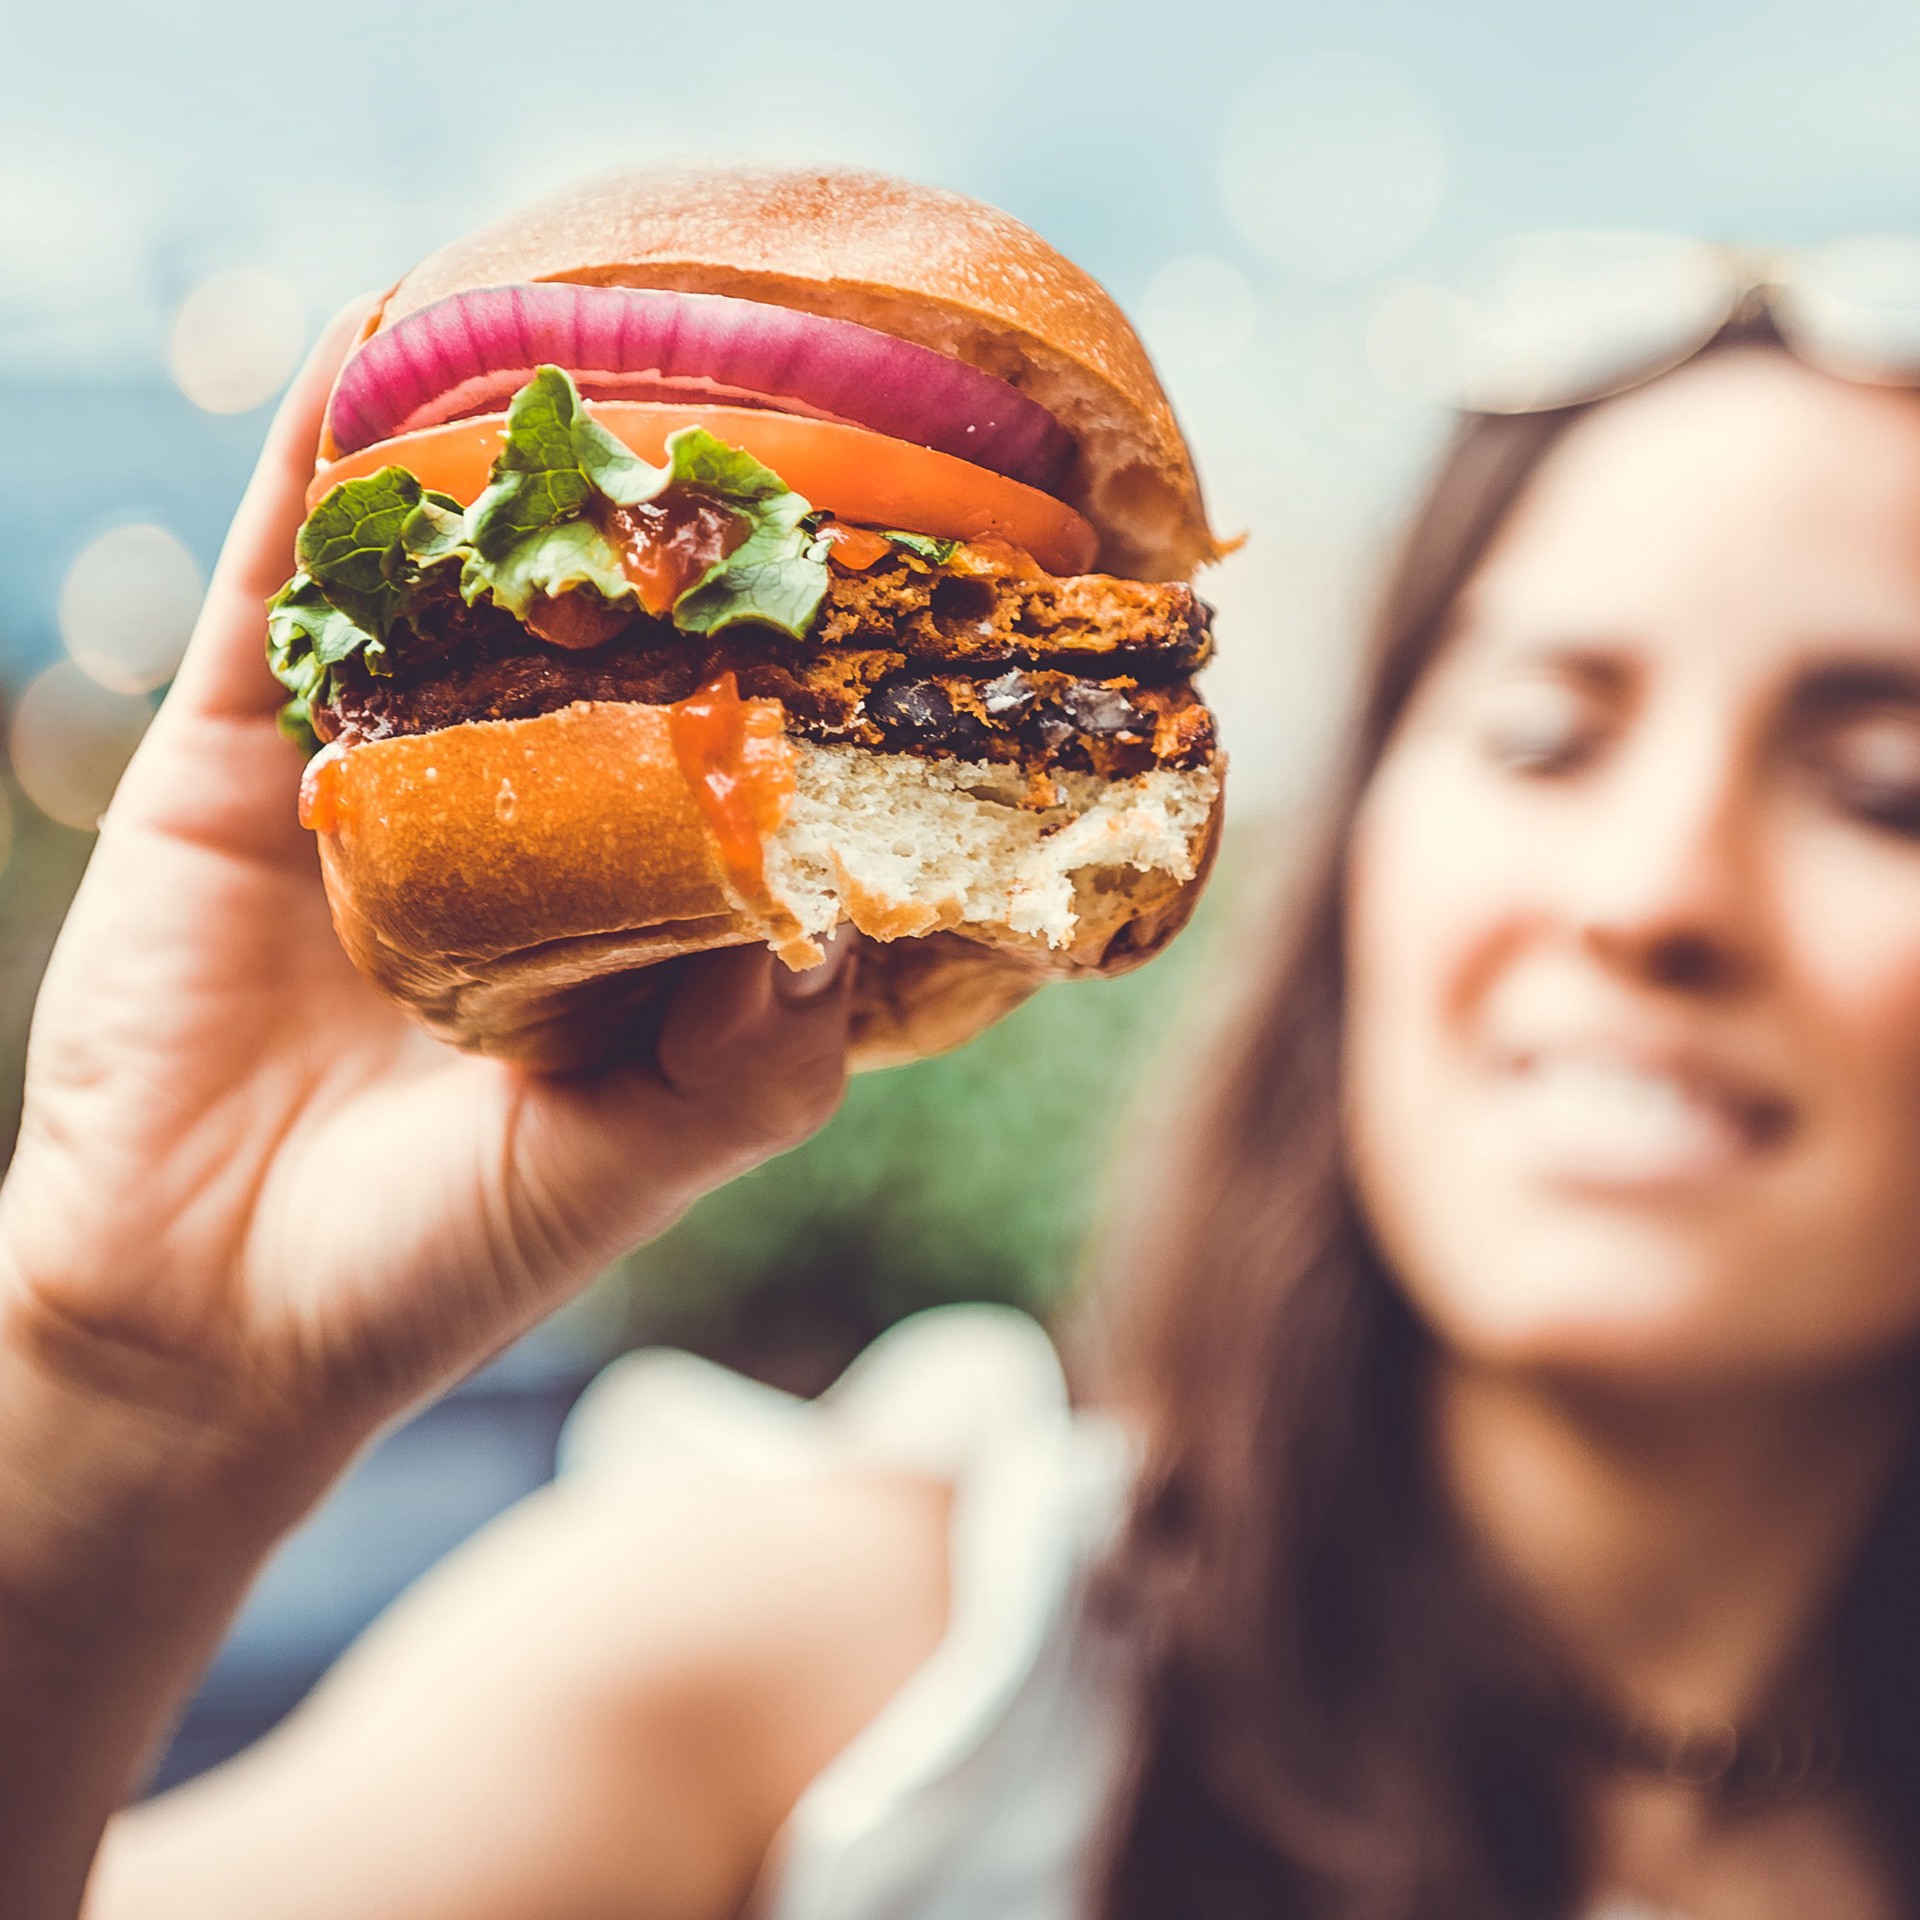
(470, 352)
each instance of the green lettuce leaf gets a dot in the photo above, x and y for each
(434, 531)
(370, 543)
(935, 552)
(363, 552)
(612, 466)
(527, 534)
(306, 634)
(777, 576)
(537, 481)
(531, 532)
(554, 561)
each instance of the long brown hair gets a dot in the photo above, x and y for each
(1341, 1719)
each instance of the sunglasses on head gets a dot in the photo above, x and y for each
(1550, 320)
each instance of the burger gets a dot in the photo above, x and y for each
(714, 555)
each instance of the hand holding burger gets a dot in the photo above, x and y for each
(254, 1212)
(601, 684)
(707, 557)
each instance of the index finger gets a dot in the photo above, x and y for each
(225, 669)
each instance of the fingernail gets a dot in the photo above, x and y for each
(815, 983)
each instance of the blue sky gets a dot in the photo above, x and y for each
(236, 128)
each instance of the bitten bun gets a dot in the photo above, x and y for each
(922, 264)
(506, 878)
(514, 882)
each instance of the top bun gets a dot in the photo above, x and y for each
(916, 262)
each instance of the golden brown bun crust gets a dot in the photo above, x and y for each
(915, 261)
(506, 880)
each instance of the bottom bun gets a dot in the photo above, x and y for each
(517, 883)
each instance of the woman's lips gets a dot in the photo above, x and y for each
(1604, 1117)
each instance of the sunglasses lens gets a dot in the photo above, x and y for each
(1854, 307)
(1546, 320)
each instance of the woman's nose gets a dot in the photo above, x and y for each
(1665, 885)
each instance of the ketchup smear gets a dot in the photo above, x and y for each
(856, 548)
(665, 545)
(733, 754)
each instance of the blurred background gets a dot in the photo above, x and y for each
(1277, 191)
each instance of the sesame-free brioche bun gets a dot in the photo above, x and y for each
(925, 265)
(514, 882)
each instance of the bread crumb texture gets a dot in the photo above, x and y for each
(904, 847)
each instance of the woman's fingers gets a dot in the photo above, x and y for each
(757, 1052)
(224, 672)
(744, 1070)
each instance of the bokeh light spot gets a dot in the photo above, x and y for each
(1333, 168)
(71, 740)
(127, 606)
(1413, 342)
(236, 339)
(1198, 311)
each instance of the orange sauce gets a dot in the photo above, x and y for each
(734, 756)
(992, 557)
(320, 789)
(665, 545)
(856, 548)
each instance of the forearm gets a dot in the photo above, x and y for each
(129, 1530)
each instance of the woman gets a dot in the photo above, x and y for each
(1526, 1522)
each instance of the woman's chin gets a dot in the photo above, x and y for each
(1630, 1301)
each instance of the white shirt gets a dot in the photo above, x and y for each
(980, 1791)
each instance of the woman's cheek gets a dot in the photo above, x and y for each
(1431, 899)
(1421, 868)
(1439, 893)
(1849, 904)
(1849, 915)
(1452, 888)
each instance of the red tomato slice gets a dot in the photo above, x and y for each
(861, 476)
